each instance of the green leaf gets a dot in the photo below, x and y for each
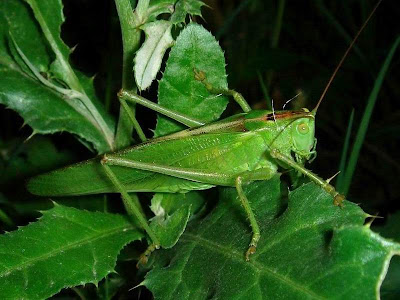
(16, 17)
(195, 49)
(65, 248)
(184, 7)
(169, 228)
(172, 212)
(43, 108)
(50, 17)
(149, 57)
(311, 250)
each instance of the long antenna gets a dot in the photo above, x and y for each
(344, 57)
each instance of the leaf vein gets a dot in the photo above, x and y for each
(239, 257)
(64, 248)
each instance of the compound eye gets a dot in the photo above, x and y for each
(303, 128)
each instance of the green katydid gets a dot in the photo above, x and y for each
(197, 158)
(231, 152)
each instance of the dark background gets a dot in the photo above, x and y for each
(313, 37)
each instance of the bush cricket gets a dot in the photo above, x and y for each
(231, 152)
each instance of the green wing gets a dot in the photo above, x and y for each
(228, 153)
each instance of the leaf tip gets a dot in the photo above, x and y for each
(55, 204)
(139, 285)
(71, 50)
(34, 132)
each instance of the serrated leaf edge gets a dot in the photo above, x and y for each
(70, 246)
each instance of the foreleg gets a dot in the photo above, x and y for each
(337, 197)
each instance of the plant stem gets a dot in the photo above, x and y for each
(130, 42)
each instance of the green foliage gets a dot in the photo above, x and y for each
(65, 248)
(169, 227)
(48, 107)
(172, 213)
(308, 249)
(158, 35)
(195, 50)
(312, 250)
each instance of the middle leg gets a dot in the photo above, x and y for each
(247, 177)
